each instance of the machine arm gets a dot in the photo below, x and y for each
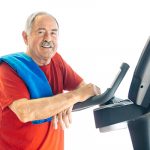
(107, 95)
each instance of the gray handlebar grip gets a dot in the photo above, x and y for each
(107, 95)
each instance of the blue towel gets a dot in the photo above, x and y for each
(32, 75)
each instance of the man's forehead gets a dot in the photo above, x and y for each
(44, 22)
(45, 19)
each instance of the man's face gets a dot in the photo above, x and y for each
(42, 41)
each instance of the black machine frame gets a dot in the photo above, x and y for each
(135, 110)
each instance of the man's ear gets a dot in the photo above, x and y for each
(25, 37)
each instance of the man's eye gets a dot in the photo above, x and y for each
(54, 33)
(41, 32)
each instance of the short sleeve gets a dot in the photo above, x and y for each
(71, 79)
(12, 86)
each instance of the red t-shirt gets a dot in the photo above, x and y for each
(15, 135)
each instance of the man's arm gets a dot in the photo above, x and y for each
(81, 84)
(65, 117)
(41, 108)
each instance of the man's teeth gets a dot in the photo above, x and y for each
(46, 45)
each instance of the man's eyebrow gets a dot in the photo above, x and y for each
(45, 29)
(55, 30)
(41, 29)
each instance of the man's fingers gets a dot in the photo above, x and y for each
(55, 122)
(97, 90)
(69, 113)
(60, 120)
(65, 119)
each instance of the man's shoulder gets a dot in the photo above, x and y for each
(5, 67)
(6, 71)
(57, 58)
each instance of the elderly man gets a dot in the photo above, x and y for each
(33, 108)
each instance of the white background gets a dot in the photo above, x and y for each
(96, 36)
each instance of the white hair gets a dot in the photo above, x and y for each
(31, 18)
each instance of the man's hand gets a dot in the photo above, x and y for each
(64, 118)
(88, 90)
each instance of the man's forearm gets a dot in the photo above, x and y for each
(28, 110)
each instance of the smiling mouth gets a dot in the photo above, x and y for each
(46, 44)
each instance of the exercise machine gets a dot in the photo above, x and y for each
(133, 111)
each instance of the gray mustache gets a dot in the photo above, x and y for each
(47, 44)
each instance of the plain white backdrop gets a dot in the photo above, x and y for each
(95, 37)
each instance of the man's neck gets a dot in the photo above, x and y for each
(39, 62)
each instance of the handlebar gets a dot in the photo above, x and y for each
(107, 95)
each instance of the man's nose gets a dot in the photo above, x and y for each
(48, 37)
